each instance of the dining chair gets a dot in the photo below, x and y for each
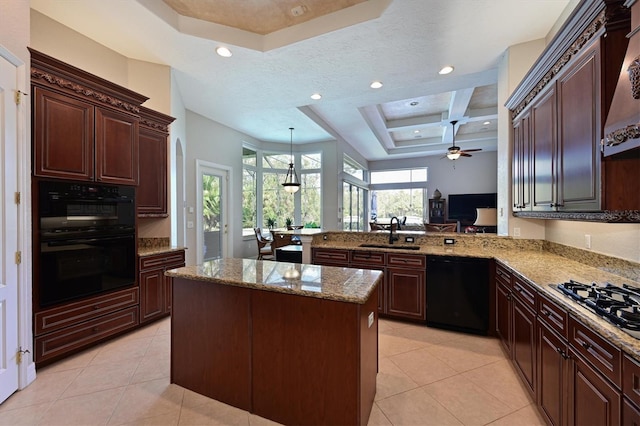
(441, 227)
(265, 249)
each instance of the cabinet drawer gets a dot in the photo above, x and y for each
(367, 258)
(64, 341)
(330, 257)
(406, 260)
(73, 313)
(631, 379)
(553, 316)
(525, 292)
(605, 357)
(503, 274)
(162, 260)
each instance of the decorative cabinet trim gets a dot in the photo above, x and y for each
(53, 80)
(607, 216)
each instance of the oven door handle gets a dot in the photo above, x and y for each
(86, 240)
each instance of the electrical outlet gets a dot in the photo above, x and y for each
(409, 240)
(449, 241)
(516, 232)
(587, 241)
(371, 318)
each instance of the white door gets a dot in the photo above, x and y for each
(8, 231)
(212, 211)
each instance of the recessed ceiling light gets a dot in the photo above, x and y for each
(486, 123)
(316, 96)
(446, 70)
(416, 131)
(414, 103)
(376, 85)
(224, 52)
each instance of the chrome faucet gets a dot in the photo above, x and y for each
(391, 237)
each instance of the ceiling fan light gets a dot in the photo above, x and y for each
(453, 155)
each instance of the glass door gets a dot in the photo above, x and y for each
(212, 207)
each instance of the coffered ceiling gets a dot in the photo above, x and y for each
(286, 50)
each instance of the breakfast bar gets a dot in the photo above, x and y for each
(294, 343)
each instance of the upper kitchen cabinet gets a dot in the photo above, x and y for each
(559, 111)
(84, 127)
(152, 188)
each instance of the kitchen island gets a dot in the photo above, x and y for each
(294, 343)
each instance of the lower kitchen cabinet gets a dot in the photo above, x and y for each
(155, 288)
(406, 286)
(503, 306)
(524, 344)
(553, 364)
(62, 330)
(372, 260)
(592, 399)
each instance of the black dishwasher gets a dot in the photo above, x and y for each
(458, 293)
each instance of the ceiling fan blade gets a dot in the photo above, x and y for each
(472, 150)
(464, 154)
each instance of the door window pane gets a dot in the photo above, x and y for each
(211, 216)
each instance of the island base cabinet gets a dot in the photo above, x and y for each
(314, 350)
(210, 341)
(288, 358)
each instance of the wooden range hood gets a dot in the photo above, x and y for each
(622, 127)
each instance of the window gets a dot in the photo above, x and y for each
(353, 200)
(400, 193)
(249, 191)
(354, 196)
(264, 198)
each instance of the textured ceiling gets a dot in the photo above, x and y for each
(258, 16)
(265, 87)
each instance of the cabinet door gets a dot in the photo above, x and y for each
(152, 294)
(503, 315)
(579, 133)
(552, 366)
(330, 257)
(62, 136)
(152, 189)
(521, 170)
(543, 138)
(116, 142)
(406, 293)
(524, 343)
(592, 399)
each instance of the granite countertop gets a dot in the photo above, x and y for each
(323, 282)
(150, 251)
(542, 268)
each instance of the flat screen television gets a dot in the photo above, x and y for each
(462, 207)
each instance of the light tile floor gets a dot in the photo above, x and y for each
(427, 377)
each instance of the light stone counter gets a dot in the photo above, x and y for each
(543, 264)
(322, 282)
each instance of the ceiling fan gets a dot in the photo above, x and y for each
(454, 152)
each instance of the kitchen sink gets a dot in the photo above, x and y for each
(390, 246)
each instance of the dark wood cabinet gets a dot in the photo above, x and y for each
(579, 133)
(329, 256)
(543, 140)
(503, 309)
(592, 399)
(84, 127)
(155, 288)
(62, 136)
(116, 147)
(406, 286)
(62, 330)
(437, 210)
(524, 343)
(372, 260)
(152, 187)
(553, 366)
(566, 97)
(521, 170)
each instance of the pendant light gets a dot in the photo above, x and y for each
(291, 183)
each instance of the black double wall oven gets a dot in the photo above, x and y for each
(86, 240)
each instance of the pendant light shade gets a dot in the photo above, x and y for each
(291, 183)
